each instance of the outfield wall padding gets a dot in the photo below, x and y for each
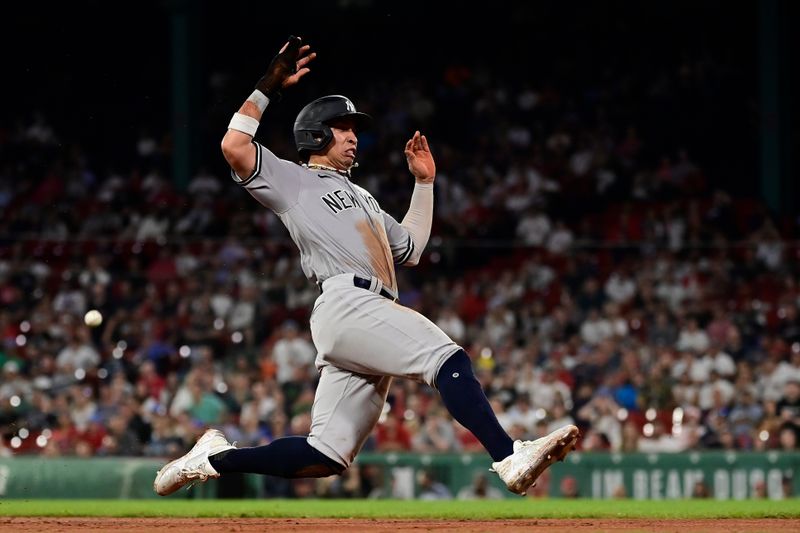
(725, 475)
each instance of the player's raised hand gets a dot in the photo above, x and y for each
(420, 159)
(302, 58)
(286, 68)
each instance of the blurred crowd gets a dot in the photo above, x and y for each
(593, 280)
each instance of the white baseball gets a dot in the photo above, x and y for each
(93, 318)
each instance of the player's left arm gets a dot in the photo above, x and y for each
(285, 70)
(419, 217)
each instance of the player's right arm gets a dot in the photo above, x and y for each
(285, 70)
(419, 217)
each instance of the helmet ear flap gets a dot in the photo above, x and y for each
(312, 138)
(327, 136)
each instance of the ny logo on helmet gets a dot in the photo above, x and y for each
(350, 107)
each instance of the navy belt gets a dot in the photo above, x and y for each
(362, 283)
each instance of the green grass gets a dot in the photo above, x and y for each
(405, 509)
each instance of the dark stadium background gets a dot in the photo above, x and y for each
(101, 69)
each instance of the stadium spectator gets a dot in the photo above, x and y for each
(479, 489)
(430, 488)
(568, 488)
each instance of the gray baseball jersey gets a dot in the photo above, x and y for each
(363, 339)
(337, 225)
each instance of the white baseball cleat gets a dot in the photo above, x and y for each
(520, 470)
(194, 466)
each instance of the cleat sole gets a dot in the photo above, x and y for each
(557, 451)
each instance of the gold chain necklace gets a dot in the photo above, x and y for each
(331, 169)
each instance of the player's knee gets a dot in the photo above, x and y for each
(330, 468)
(457, 367)
(321, 470)
(326, 466)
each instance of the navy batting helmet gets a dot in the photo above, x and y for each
(311, 128)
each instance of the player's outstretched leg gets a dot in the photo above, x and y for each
(520, 470)
(517, 463)
(212, 455)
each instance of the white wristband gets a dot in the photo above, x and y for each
(243, 123)
(259, 99)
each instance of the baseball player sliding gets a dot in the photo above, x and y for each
(363, 337)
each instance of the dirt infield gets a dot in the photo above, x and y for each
(228, 525)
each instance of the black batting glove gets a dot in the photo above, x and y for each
(281, 67)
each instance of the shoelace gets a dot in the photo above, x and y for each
(196, 476)
(523, 444)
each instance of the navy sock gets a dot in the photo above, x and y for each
(289, 457)
(464, 398)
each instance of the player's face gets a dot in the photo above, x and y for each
(341, 152)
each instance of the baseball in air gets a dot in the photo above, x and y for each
(93, 318)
